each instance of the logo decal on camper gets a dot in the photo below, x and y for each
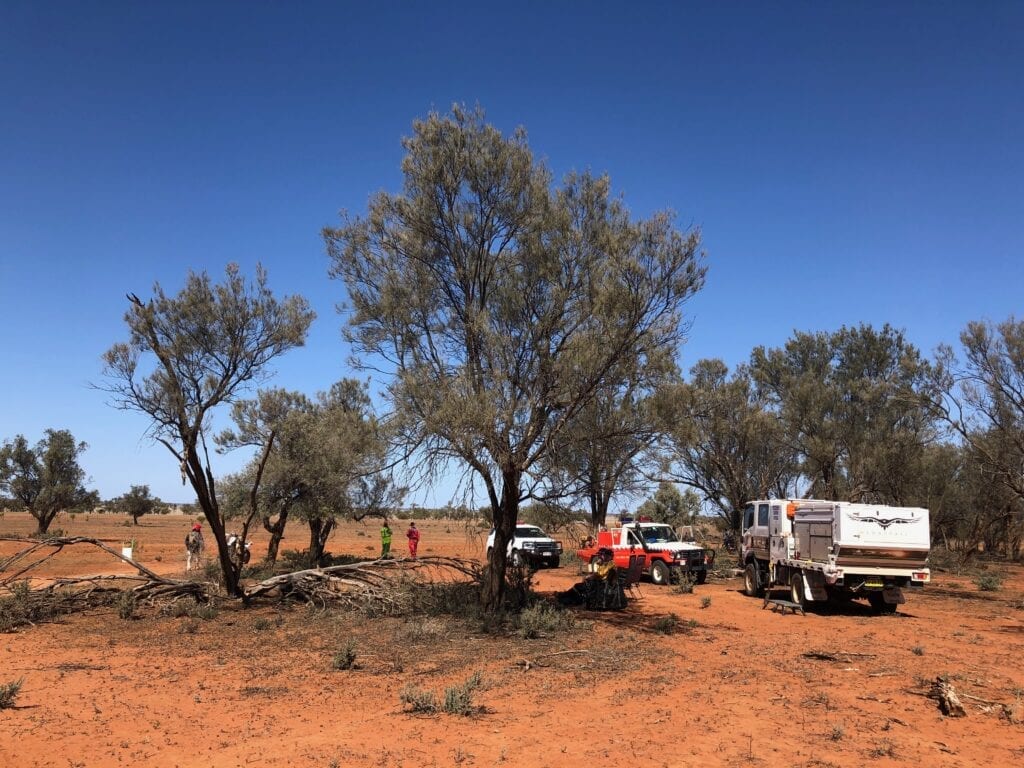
(884, 522)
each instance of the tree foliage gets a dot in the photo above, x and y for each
(325, 459)
(602, 452)
(850, 404)
(498, 305)
(725, 443)
(136, 503)
(188, 354)
(672, 506)
(46, 479)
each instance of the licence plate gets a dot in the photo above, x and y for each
(546, 554)
(874, 583)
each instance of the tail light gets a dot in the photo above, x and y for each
(921, 576)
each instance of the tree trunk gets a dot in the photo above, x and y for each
(505, 516)
(202, 483)
(43, 519)
(319, 531)
(276, 531)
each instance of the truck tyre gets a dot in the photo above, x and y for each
(878, 604)
(796, 590)
(489, 550)
(752, 581)
(660, 573)
(701, 576)
(517, 558)
(555, 562)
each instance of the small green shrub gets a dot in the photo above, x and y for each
(9, 692)
(191, 608)
(666, 625)
(989, 582)
(685, 586)
(345, 658)
(126, 605)
(705, 602)
(458, 699)
(837, 733)
(917, 650)
(418, 700)
(543, 619)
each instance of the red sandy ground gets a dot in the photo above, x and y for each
(256, 687)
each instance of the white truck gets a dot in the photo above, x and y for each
(822, 549)
(530, 546)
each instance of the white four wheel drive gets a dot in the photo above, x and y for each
(530, 546)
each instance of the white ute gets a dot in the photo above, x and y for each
(530, 545)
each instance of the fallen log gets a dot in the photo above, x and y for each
(949, 702)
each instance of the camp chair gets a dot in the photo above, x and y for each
(631, 583)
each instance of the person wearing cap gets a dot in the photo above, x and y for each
(194, 546)
(385, 540)
(413, 535)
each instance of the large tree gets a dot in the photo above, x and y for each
(498, 305)
(190, 353)
(850, 405)
(46, 479)
(981, 397)
(602, 453)
(272, 425)
(725, 443)
(321, 460)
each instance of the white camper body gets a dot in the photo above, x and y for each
(821, 549)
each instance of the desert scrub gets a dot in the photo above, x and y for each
(22, 606)
(666, 625)
(705, 602)
(345, 658)
(9, 692)
(542, 619)
(458, 699)
(192, 608)
(126, 605)
(989, 582)
(418, 700)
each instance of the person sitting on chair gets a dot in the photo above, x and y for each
(596, 583)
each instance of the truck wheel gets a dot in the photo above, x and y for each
(701, 576)
(489, 550)
(517, 558)
(878, 604)
(752, 581)
(796, 590)
(660, 573)
(554, 563)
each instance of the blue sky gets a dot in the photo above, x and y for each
(846, 162)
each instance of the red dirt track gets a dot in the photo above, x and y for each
(728, 687)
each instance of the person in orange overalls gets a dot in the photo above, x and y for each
(413, 535)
